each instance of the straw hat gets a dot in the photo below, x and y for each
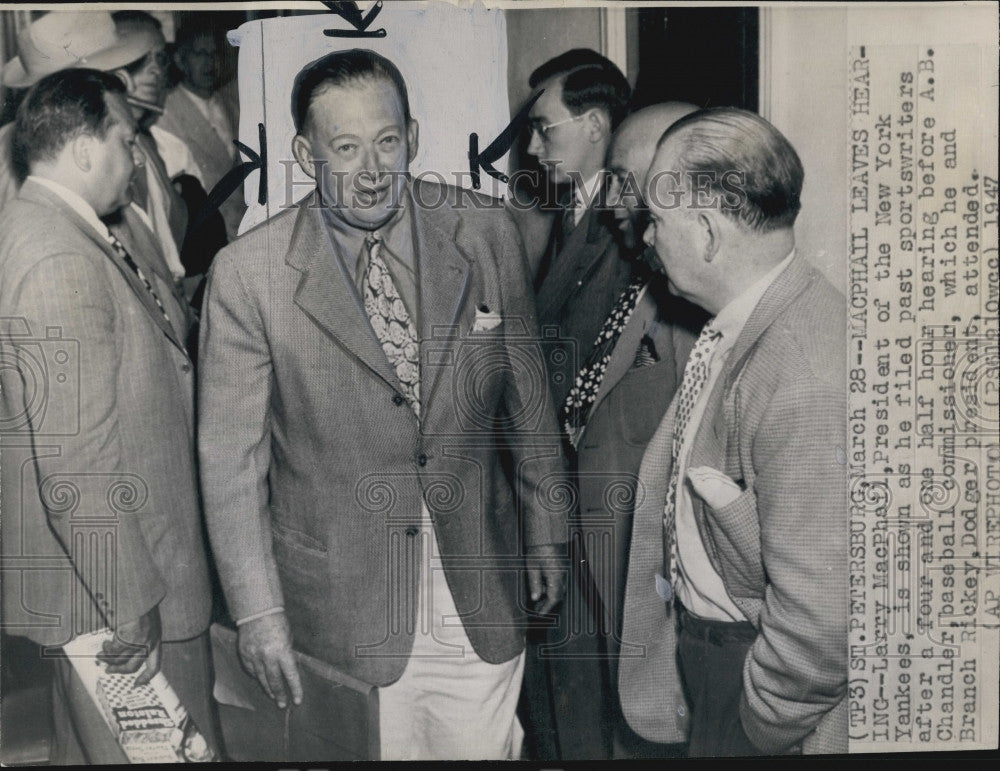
(63, 39)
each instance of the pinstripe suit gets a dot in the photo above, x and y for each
(101, 514)
(775, 420)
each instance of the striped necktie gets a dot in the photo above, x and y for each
(123, 253)
(695, 377)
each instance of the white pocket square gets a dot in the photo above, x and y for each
(486, 320)
(714, 487)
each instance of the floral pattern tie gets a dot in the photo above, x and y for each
(581, 397)
(391, 321)
(695, 377)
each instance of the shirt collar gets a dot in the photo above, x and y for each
(586, 193)
(351, 240)
(731, 319)
(75, 202)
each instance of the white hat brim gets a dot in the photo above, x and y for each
(126, 51)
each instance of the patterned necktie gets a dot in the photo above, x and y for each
(695, 377)
(391, 322)
(581, 397)
(123, 253)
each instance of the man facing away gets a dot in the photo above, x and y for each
(376, 336)
(739, 550)
(102, 523)
(608, 417)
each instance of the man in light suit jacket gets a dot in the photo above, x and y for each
(608, 417)
(155, 228)
(737, 572)
(360, 351)
(102, 525)
(202, 117)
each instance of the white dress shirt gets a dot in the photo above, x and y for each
(699, 587)
(177, 156)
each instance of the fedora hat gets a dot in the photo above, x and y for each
(63, 39)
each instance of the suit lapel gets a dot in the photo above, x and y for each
(791, 282)
(582, 252)
(711, 443)
(40, 194)
(623, 355)
(198, 131)
(443, 285)
(177, 216)
(327, 293)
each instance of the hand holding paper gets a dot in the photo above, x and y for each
(134, 642)
(265, 646)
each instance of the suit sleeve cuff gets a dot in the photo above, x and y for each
(255, 616)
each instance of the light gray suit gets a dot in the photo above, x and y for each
(313, 466)
(776, 421)
(182, 118)
(101, 518)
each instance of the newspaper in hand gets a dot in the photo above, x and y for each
(149, 721)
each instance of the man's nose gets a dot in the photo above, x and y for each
(648, 234)
(615, 193)
(535, 145)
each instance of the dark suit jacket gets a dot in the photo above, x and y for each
(628, 408)
(313, 466)
(776, 420)
(101, 514)
(585, 280)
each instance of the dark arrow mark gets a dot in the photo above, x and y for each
(352, 14)
(498, 146)
(234, 178)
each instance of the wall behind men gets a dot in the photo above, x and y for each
(804, 92)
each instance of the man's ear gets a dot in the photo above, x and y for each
(598, 125)
(412, 139)
(81, 150)
(710, 231)
(302, 150)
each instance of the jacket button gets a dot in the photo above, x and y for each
(185, 367)
(412, 531)
(422, 460)
(398, 400)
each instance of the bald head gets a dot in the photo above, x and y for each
(634, 143)
(631, 153)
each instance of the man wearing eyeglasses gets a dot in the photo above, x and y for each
(583, 97)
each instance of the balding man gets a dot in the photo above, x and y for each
(612, 410)
(737, 564)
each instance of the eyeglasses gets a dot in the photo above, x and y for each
(535, 126)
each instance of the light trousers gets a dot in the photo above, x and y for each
(449, 704)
